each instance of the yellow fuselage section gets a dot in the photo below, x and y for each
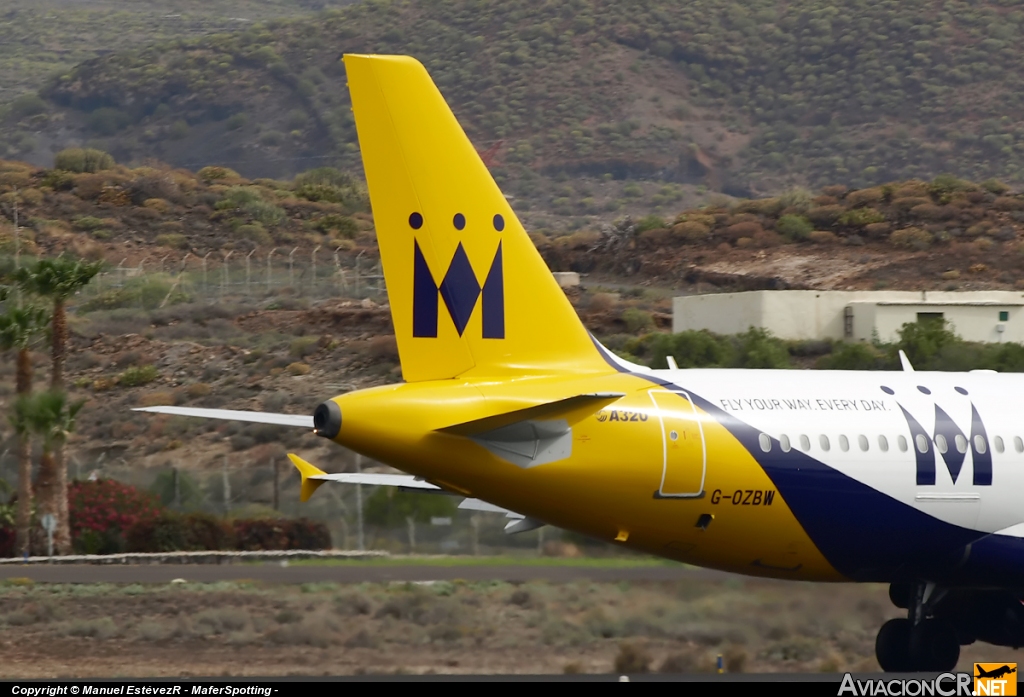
(650, 471)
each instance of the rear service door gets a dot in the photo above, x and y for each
(684, 457)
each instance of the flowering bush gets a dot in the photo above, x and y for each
(102, 511)
(281, 534)
(173, 532)
(6, 541)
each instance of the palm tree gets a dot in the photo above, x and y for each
(50, 416)
(20, 327)
(58, 279)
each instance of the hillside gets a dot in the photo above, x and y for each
(740, 98)
(210, 296)
(40, 38)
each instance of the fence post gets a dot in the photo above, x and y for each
(277, 482)
(317, 249)
(357, 271)
(270, 254)
(248, 270)
(359, 506)
(206, 286)
(224, 273)
(227, 486)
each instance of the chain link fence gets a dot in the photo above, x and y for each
(315, 275)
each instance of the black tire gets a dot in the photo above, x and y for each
(934, 646)
(899, 595)
(892, 646)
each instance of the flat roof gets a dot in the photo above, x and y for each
(897, 303)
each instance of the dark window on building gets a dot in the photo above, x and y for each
(1004, 316)
(923, 317)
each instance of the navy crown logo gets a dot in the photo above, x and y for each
(460, 290)
(950, 443)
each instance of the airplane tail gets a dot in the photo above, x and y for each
(469, 293)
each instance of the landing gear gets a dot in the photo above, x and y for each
(920, 642)
(892, 646)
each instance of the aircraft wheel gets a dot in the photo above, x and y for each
(934, 646)
(899, 595)
(892, 646)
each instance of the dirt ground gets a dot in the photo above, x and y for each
(250, 629)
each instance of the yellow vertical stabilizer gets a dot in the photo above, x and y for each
(306, 470)
(469, 293)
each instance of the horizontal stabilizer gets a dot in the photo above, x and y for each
(478, 505)
(313, 477)
(541, 412)
(402, 481)
(259, 417)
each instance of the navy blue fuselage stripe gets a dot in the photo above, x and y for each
(460, 291)
(926, 458)
(947, 428)
(864, 534)
(982, 460)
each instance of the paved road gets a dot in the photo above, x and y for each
(276, 573)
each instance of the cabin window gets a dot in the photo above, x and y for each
(1000, 447)
(979, 444)
(922, 442)
(883, 444)
(1018, 444)
(862, 441)
(961, 444)
(766, 442)
(901, 442)
(784, 443)
(844, 443)
(1004, 316)
(823, 440)
(940, 444)
(805, 443)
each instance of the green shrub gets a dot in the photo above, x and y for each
(691, 349)
(650, 222)
(236, 121)
(212, 173)
(148, 292)
(911, 238)
(83, 160)
(637, 320)
(255, 232)
(249, 201)
(691, 231)
(340, 225)
(89, 223)
(825, 216)
(853, 356)
(757, 348)
(794, 227)
(859, 217)
(27, 105)
(178, 130)
(136, 376)
(172, 240)
(107, 121)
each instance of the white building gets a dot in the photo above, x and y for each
(990, 316)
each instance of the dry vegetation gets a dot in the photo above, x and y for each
(251, 629)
